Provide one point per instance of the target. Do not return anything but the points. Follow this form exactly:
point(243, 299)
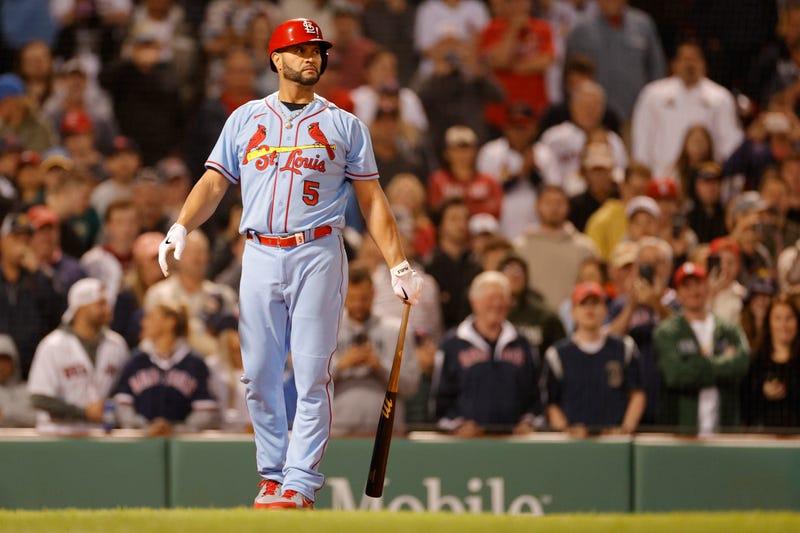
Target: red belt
point(290, 240)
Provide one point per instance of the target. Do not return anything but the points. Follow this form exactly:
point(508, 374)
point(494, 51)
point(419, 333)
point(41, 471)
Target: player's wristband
point(399, 270)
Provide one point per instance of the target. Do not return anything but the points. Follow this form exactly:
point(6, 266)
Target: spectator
point(451, 93)
point(382, 90)
point(760, 291)
point(702, 359)
point(122, 165)
point(453, 264)
point(774, 52)
point(148, 196)
point(30, 304)
point(237, 87)
point(460, 178)
point(594, 270)
point(36, 71)
point(23, 22)
point(623, 43)
point(19, 118)
point(95, 30)
point(164, 387)
point(16, 409)
point(492, 252)
point(363, 359)
point(569, 139)
point(723, 266)
point(74, 90)
point(697, 150)
point(608, 226)
point(672, 222)
point(771, 390)
point(746, 229)
point(447, 27)
point(29, 179)
point(667, 108)
point(45, 243)
point(76, 365)
point(521, 166)
point(189, 287)
point(518, 49)
point(387, 24)
point(706, 217)
point(553, 250)
point(147, 103)
point(577, 69)
point(226, 21)
point(643, 216)
point(644, 302)
point(394, 152)
point(779, 230)
point(406, 193)
point(110, 260)
point(488, 372)
point(529, 314)
point(594, 380)
point(176, 183)
point(78, 138)
point(771, 137)
point(789, 269)
point(257, 45)
point(597, 170)
point(144, 273)
point(350, 45)
point(69, 198)
point(789, 172)
point(166, 21)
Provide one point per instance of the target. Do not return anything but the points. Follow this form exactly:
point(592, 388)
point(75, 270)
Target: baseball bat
point(383, 435)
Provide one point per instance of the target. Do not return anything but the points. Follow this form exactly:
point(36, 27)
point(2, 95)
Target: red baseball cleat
point(291, 499)
point(270, 492)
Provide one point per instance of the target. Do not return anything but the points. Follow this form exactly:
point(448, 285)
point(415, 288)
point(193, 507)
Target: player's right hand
point(406, 283)
point(175, 239)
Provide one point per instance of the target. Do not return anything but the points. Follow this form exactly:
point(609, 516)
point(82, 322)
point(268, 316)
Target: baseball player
point(297, 158)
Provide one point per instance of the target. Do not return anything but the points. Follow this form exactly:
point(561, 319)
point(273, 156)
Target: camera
point(713, 263)
point(360, 338)
point(647, 272)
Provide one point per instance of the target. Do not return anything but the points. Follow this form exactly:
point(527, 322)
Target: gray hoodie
point(15, 403)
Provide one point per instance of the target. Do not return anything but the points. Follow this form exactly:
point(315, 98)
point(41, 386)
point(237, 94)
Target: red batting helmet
point(298, 31)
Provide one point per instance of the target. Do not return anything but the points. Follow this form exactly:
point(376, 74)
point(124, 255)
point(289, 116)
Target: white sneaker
point(269, 492)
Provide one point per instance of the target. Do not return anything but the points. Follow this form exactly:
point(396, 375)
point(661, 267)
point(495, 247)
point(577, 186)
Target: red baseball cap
point(585, 290)
point(689, 270)
point(662, 188)
point(41, 215)
point(76, 122)
point(724, 243)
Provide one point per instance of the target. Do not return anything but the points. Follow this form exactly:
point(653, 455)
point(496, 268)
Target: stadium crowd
point(603, 195)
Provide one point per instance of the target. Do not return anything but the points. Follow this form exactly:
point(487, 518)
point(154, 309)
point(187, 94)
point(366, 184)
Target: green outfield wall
point(538, 475)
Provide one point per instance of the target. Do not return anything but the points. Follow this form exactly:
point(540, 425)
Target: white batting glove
point(176, 238)
point(406, 283)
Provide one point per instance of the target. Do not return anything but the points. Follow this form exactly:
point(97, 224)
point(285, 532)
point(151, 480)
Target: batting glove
point(406, 283)
point(176, 238)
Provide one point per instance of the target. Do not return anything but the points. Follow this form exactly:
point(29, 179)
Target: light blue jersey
point(293, 179)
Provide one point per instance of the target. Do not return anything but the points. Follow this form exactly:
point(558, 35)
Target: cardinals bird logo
point(319, 136)
point(255, 141)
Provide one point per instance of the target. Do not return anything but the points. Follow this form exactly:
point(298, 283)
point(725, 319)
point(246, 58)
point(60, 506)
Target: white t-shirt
point(708, 398)
point(62, 369)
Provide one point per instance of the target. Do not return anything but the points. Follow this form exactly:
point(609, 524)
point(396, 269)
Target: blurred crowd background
point(649, 148)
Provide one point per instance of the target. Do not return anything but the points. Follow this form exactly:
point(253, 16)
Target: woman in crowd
point(771, 396)
point(697, 148)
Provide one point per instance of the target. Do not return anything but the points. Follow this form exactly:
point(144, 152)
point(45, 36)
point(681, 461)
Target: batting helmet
point(298, 31)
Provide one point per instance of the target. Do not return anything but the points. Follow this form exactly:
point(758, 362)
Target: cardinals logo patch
point(318, 135)
point(255, 142)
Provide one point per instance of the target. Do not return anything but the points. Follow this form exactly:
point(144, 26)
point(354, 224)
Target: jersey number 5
point(310, 192)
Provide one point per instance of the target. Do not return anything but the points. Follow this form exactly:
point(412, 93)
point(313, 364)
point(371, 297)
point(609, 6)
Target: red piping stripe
point(225, 172)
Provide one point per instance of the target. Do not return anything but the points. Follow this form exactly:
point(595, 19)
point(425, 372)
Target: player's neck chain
point(290, 118)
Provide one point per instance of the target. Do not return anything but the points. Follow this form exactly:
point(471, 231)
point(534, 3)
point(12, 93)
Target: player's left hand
point(176, 238)
point(406, 283)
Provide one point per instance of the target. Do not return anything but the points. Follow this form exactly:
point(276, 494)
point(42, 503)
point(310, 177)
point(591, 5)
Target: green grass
point(246, 520)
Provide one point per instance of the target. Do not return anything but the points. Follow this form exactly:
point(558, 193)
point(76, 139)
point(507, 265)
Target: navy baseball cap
point(11, 85)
